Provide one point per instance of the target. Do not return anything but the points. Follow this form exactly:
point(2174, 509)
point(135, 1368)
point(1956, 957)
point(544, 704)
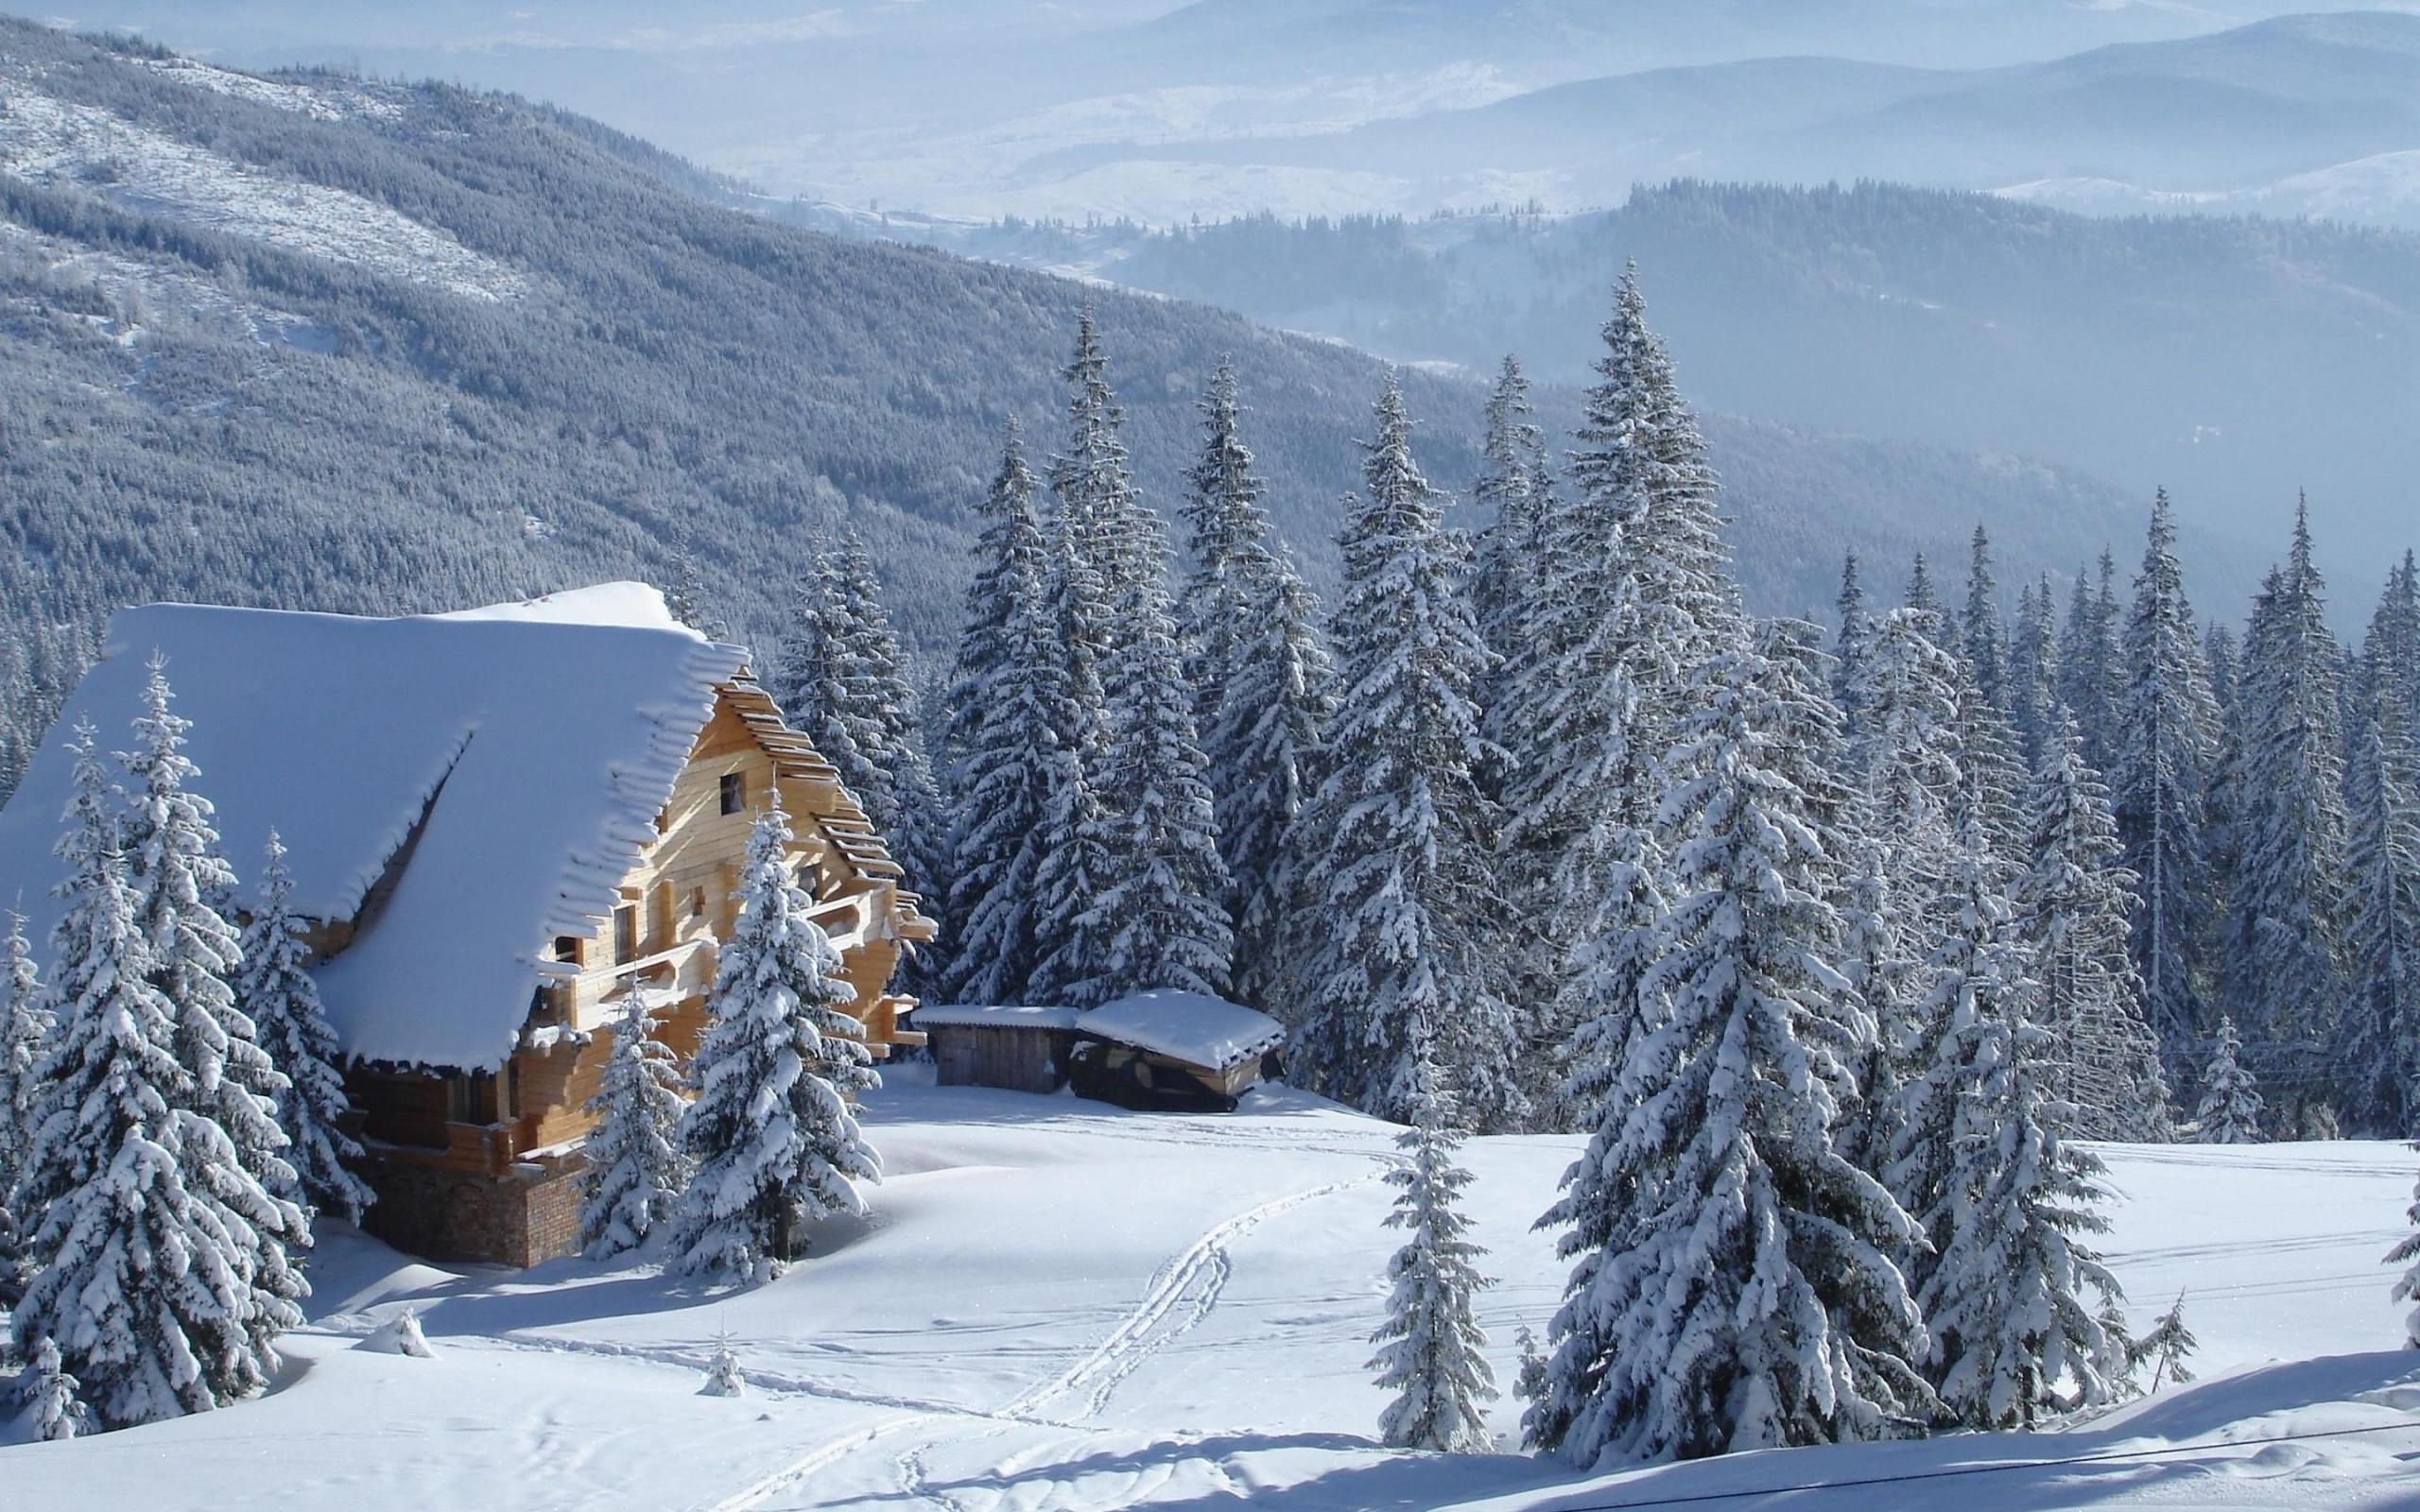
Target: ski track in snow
point(1181, 1293)
point(822, 1456)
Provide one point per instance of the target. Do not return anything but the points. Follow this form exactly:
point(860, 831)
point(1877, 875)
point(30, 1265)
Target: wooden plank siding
point(519, 1126)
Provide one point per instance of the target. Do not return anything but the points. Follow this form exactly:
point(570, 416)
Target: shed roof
point(995, 1016)
point(1187, 1026)
point(522, 752)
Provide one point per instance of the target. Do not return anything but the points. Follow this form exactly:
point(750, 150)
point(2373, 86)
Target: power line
point(1956, 1471)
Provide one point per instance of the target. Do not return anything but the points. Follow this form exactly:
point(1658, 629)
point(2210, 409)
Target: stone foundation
point(529, 1213)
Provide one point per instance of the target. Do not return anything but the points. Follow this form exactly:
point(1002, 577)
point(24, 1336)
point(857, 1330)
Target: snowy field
point(1061, 1307)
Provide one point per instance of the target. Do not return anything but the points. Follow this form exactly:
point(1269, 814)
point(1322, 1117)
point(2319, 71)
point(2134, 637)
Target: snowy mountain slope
point(1058, 1305)
point(227, 418)
point(52, 141)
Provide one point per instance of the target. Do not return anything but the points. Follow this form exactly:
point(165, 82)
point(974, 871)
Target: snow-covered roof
point(1187, 1026)
point(531, 747)
point(993, 1015)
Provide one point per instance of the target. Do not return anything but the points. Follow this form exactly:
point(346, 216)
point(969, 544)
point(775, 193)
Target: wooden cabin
point(499, 822)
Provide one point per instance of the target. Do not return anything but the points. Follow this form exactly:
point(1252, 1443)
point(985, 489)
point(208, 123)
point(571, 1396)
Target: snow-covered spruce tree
point(770, 1134)
point(25, 1022)
point(138, 1275)
point(2089, 662)
point(900, 798)
point(2284, 940)
point(811, 669)
point(2231, 1108)
point(2002, 1198)
point(1633, 589)
point(2378, 1038)
point(1263, 748)
point(1003, 745)
point(1512, 491)
point(1975, 974)
point(1432, 1353)
point(1855, 632)
point(2013, 1331)
point(235, 1153)
point(635, 1169)
point(2072, 901)
point(1261, 682)
point(1396, 932)
point(1923, 597)
point(1093, 536)
point(1731, 1290)
point(274, 990)
point(1905, 759)
point(2165, 748)
point(47, 1398)
point(685, 598)
point(2407, 1288)
point(2392, 646)
point(2167, 1346)
point(1161, 908)
point(2033, 670)
point(1983, 635)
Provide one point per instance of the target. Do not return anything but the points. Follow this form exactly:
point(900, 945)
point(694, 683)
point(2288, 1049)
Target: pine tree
point(1631, 588)
point(1007, 761)
point(2231, 1108)
point(1849, 643)
point(1094, 566)
point(635, 1170)
point(1432, 1353)
point(1263, 748)
point(1906, 757)
point(2003, 1292)
point(47, 1394)
point(236, 1152)
point(274, 990)
point(1515, 493)
point(1984, 637)
point(1731, 1290)
point(686, 599)
point(140, 1283)
point(1977, 986)
point(2166, 1346)
point(2089, 664)
point(900, 798)
point(2034, 671)
point(2285, 940)
point(2378, 1040)
point(2165, 751)
point(811, 670)
point(1924, 599)
point(1159, 918)
point(2407, 1287)
point(1261, 683)
point(25, 1022)
point(771, 1133)
point(2071, 908)
point(723, 1374)
point(1403, 827)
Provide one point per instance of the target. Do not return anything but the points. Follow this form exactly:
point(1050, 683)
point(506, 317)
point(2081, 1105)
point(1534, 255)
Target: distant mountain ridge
point(323, 342)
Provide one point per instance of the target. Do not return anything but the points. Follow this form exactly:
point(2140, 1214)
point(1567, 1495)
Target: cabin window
point(696, 902)
point(734, 792)
point(626, 934)
point(567, 948)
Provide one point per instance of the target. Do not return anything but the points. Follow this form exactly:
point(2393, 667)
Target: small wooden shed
point(1020, 1047)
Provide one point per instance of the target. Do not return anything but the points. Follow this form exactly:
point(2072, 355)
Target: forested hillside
point(2145, 351)
point(326, 343)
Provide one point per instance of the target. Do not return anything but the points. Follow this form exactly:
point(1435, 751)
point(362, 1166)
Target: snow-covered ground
point(49, 140)
point(1058, 1305)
